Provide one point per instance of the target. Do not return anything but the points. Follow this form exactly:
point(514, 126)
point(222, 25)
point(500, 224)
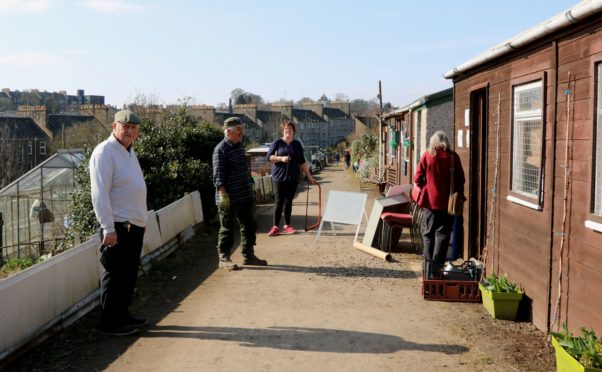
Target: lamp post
point(380, 129)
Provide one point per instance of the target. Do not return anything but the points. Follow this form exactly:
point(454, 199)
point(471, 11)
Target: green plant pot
point(501, 305)
point(565, 361)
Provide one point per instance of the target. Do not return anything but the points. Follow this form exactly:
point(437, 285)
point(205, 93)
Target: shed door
point(477, 199)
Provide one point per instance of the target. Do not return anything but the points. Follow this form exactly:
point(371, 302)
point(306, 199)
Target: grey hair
point(439, 141)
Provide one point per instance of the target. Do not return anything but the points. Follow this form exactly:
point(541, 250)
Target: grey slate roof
point(368, 120)
point(335, 113)
point(55, 121)
point(306, 115)
point(221, 116)
point(270, 116)
point(21, 127)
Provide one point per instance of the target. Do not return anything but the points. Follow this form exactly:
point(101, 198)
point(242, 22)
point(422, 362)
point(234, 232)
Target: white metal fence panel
point(34, 297)
point(197, 207)
point(152, 234)
point(175, 217)
point(42, 294)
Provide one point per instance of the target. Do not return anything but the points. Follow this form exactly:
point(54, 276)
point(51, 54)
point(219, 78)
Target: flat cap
point(232, 122)
point(126, 117)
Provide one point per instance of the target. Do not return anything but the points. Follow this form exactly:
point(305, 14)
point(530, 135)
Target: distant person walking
point(119, 201)
point(286, 155)
point(347, 158)
point(234, 196)
point(434, 179)
point(337, 158)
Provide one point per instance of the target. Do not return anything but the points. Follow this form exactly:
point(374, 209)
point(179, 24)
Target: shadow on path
point(304, 339)
point(342, 271)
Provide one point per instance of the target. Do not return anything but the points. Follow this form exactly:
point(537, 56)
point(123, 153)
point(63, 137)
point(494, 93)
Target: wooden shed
point(407, 131)
point(528, 127)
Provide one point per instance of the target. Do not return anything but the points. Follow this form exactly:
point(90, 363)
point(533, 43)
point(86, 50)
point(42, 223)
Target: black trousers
point(284, 193)
point(436, 232)
point(121, 264)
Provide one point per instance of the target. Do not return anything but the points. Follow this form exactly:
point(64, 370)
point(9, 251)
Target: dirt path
point(318, 307)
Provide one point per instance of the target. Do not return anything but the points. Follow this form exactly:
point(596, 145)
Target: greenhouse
point(34, 208)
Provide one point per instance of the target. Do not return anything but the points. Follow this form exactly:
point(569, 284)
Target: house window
point(29, 148)
point(527, 131)
point(597, 156)
point(42, 147)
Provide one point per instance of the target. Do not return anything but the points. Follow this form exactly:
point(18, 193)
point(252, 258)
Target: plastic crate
point(451, 290)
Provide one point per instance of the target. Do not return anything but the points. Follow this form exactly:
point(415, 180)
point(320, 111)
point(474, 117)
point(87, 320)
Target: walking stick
point(307, 228)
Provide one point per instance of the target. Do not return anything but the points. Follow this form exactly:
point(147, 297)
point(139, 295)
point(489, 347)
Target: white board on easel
point(344, 207)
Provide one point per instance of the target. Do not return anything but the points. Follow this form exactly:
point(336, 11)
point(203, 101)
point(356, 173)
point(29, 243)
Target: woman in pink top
point(433, 177)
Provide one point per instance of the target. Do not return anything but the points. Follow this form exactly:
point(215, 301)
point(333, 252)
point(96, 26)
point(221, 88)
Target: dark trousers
point(121, 263)
point(284, 193)
point(244, 213)
point(436, 232)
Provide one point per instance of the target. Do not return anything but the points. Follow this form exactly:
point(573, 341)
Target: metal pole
point(18, 224)
point(42, 208)
point(380, 129)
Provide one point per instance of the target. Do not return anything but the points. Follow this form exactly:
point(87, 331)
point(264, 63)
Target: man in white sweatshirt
point(119, 200)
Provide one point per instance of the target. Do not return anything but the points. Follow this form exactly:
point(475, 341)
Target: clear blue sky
point(277, 49)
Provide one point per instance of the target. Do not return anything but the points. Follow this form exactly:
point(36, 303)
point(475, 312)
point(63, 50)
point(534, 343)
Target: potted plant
point(574, 353)
point(500, 296)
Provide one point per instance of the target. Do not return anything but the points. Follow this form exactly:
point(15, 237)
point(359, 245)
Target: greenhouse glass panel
point(35, 206)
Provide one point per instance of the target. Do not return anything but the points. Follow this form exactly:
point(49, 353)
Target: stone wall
point(440, 117)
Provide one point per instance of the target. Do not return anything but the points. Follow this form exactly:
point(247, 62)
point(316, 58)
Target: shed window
point(527, 134)
point(597, 156)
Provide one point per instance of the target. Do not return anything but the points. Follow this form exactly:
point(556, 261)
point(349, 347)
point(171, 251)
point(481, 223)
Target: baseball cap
point(232, 122)
point(126, 117)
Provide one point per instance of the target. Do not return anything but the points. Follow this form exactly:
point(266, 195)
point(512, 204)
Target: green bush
point(176, 158)
point(494, 283)
point(13, 265)
point(587, 348)
point(82, 221)
point(365, 148)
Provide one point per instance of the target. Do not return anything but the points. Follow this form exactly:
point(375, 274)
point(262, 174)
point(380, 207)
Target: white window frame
point(518, 117)
point(29, 148)
point(596, 197)
point(42, 147)
point(21, 155)
point(594, 215)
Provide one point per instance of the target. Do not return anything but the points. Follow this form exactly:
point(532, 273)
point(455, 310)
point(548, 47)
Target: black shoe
point(254, 261)
point(122, 330)
point(137, 322)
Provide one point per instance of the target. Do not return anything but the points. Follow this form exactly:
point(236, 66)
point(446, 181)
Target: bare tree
point(9, 147)
point(303, 100)
point(86, 134)
point(240, 96)
point(341, 97)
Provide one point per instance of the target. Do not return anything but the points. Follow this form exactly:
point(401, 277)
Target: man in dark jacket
point(234, 196)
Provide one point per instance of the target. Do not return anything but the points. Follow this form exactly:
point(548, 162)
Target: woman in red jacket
point(433, 177)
